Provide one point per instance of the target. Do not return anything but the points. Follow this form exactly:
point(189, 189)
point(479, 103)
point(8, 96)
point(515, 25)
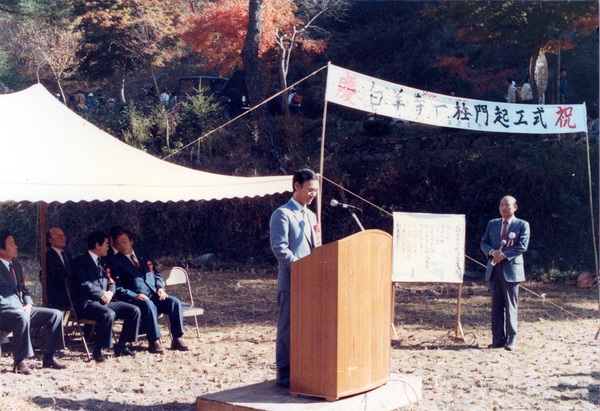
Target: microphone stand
point(356, 218)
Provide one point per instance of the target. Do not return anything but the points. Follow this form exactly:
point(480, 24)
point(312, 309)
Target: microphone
point(502, 244)
point(335, 203)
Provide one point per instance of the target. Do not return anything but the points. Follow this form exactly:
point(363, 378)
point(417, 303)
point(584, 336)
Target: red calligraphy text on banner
point(346, 88)
point(564, 117)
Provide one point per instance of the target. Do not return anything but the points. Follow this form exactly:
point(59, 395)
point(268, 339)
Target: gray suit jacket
point(13, 296)
point(289, 241)
point(512, 267)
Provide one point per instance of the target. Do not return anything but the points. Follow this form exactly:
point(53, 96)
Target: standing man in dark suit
point(17, 313)
point(293, 231)
point(140, 283)
point(58, 267)
point(504, 242)
point(94, 289)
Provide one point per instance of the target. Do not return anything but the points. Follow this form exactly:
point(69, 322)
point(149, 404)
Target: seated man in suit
point(58, 267)
point(112, 250)
point(94, 289)
point(17, 313)
point(140, 283)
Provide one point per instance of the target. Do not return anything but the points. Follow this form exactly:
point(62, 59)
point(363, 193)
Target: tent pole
point(597, 273)
point(42, 207)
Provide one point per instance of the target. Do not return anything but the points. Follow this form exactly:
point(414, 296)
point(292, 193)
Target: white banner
point(372, 95)
point(428, 248)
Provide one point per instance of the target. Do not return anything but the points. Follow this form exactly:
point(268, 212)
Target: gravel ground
point(556, 366)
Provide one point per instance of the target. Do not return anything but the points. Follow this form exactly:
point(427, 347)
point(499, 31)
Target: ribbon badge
point(511, 239)
point(110, 279)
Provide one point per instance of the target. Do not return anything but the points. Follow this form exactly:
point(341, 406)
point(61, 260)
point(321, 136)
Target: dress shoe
point(511, 341)
point(99, 357)
point(52, 362)
point(178, 345)
point(512, 347)
point(156, 347)
point(123, 351)
point(21, 367)
point(494, 345)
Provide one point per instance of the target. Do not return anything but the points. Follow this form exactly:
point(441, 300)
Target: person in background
point(275, 105)
point(80, 101)
point(592, 118)
point(592, 124)
point(72, 103)
point(511, 94)
point(526, 92)
point(563, 86)
point(164, 98)
point(294, 101)
point(91, 103)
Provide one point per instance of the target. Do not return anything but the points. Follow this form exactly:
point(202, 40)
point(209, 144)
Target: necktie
point(12, 273)
point(504, 229)
point(134, 261)
point(64, 257)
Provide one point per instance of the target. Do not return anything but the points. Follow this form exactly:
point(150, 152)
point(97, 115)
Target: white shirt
point(6, 263)
point(94, 256)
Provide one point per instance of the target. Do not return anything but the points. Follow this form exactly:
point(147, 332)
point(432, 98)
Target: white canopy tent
point(51, 154)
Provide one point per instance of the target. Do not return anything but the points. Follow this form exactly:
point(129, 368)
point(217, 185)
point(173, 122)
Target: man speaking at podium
point(293, 229)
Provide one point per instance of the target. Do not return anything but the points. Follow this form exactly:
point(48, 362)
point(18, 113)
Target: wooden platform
point(400, 391)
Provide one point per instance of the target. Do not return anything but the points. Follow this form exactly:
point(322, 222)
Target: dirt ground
point(556, 366)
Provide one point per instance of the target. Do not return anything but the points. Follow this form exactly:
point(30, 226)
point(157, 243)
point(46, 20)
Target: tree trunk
point(123, 87)
point(62, 93)
point(255, 88)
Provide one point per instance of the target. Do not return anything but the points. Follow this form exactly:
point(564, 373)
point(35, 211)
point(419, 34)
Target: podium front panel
point(340, 317)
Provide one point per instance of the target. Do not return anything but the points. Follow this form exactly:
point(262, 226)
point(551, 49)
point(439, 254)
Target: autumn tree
point(41, 38)
point(10, 6)
point(218, 31)
point(47, 45)
point(126, 35)
point(539, 27)
point(296, 33)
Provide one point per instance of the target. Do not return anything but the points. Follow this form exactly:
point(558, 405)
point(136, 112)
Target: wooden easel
point(458, 331)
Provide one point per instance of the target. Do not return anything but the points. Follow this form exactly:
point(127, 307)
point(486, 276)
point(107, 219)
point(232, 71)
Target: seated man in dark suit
point(94, 289)
point(140, 283)
point(58, 267)
point(17, 313)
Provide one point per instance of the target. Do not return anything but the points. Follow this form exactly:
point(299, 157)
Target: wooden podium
point(341, 304)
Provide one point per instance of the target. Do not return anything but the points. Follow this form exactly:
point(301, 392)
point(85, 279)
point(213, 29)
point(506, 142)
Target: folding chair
point(178, 275)
point(4, 335)
point(73, 318)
